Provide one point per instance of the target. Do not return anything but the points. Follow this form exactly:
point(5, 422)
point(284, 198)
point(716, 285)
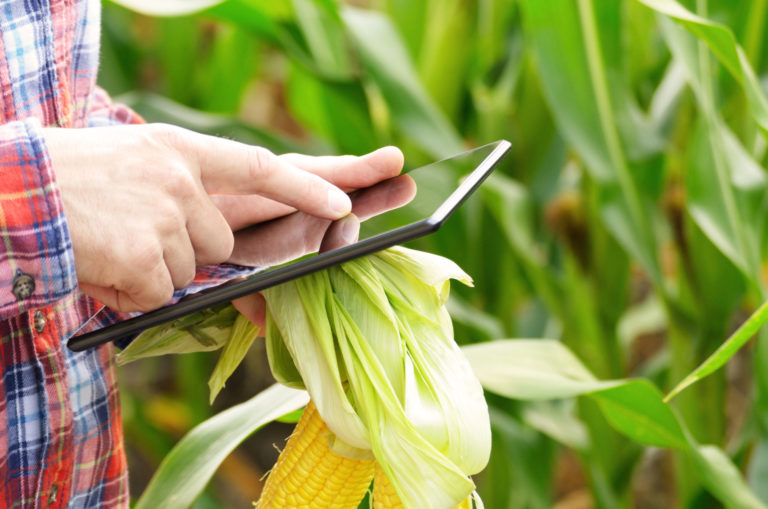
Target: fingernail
point(339, 202)
point(350, 228)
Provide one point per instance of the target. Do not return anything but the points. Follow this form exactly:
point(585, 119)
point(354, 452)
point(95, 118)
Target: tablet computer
point(394, 211)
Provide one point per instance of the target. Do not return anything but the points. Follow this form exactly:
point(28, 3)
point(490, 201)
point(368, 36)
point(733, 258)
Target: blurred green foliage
point(627, 222)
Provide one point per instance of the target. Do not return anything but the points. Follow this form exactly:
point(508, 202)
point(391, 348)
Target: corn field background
point(623, 237)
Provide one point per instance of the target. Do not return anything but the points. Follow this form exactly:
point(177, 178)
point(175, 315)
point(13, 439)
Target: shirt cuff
point(36, 259)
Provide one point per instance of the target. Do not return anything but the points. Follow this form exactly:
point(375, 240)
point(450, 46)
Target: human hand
point(270, 233)
point(324, 235)
point(138, 202)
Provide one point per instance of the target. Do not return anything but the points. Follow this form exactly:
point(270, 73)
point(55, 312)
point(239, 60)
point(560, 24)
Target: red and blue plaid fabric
point(60, 430)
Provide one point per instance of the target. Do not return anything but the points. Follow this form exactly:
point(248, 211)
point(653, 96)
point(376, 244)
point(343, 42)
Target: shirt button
point(23, 285)
point(39, 319)
point(53, 494)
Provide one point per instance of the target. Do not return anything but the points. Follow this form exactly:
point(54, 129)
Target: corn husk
point(373, 344)
point(240, 340)
point(221, 327)
point(203, 331)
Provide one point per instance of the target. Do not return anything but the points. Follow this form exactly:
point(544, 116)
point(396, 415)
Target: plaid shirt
point(60, 429)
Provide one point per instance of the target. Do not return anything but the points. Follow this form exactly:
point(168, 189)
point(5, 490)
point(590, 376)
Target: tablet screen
point(409, 198)
point(413, 196)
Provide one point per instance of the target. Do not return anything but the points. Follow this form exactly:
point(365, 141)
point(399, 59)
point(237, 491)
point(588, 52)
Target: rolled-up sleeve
point(36, 259)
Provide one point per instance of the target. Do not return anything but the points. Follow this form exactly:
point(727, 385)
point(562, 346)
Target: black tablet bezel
point(263, 280)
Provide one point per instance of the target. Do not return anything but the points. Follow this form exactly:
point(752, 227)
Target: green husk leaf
point(244, 332)
point(398, 385)
point(298, 311)
point(199, 332)
point(421, 475)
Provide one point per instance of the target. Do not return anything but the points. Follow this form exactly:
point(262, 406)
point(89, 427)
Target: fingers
point(279, 240)
point(242, 211)
point(210, 236)
point(254, 307)
point(115, 299)
point(351, 172)
point(384, 196)
point(235, 168)
point(179, 258)
point(290, 237)
point(141, 285)
point(341, 233)
point(346, 172)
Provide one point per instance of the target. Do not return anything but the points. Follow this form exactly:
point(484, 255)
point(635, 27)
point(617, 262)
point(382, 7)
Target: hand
point(346, 172)
point(299, 233)
point(138, 202)
point(286, 238)
point(342, 233)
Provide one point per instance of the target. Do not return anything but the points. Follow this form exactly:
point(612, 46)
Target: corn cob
point(384, 496)
point(308, 474)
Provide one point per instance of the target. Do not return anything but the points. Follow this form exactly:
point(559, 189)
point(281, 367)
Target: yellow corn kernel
point(384, 496)
point(308, 474)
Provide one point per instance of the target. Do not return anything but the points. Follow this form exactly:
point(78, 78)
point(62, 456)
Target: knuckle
point(188, 276)
point(170, 134)
point(157, 292)
point(183, 271)
point(164, 293)
point(168, 217)
point(145, 258)
point(158, 297)
point(218, 250)
point(312, 188)
point(178, 181)
point(223, 248)
point(261, 162)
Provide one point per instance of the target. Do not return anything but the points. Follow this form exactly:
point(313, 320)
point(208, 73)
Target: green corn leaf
point(580, 74)
point(168, 7)
point(723, 479)
point(635, 408)
point(445, 56)
point(321, 27)
point(758, 470)
point(530, 474)
point(727, 350)
point(557, 420)
point(722, 42)
point(186, 470)
point(725, 186)
point(561, 60)
point(530, 369)
point(228, 70)
point(385, 60)
point(335, 111)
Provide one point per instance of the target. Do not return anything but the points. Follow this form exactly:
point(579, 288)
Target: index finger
point(230, 167)
point(351, 172)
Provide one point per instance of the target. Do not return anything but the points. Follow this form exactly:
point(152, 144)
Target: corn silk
point(372, 343)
